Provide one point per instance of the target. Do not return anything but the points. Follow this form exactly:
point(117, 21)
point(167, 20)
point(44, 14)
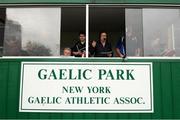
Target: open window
point(72, 23)
point(108, 19)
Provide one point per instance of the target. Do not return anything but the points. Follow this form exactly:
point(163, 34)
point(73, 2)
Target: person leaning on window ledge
point(78, 50)
point(120, 48)
point(101, 48)
point(67, 51)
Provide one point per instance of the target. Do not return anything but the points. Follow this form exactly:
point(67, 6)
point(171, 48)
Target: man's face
point(82, 37)
point(103, 36)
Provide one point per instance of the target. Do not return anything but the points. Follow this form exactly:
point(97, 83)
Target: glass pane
point(107, 27)
point(32, 32)
point(161, 29)
point(73, 22)
point(2, 26)
point(134, 35)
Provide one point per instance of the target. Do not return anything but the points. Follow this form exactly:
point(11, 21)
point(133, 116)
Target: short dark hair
point(82, 32)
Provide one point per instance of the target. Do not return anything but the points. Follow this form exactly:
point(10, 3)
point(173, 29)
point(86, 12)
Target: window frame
point(87, 6)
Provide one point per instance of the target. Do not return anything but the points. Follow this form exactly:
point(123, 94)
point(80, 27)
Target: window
point(2, 26)
point(32, 32)
point(108, 19)
point(160, 32)
point(134, 33)
point(73, 22)
point(154, 32)
point(47, 31)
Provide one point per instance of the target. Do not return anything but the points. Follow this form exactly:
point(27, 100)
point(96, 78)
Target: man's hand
point(109, 55)
point(78, 53)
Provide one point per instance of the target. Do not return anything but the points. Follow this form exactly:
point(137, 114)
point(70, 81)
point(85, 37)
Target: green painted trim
point(140, 1)
point(44, 1)
point(3, 88)
point(90, 1)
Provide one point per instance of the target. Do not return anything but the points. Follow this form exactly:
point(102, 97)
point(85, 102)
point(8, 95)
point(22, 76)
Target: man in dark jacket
point(78, 50)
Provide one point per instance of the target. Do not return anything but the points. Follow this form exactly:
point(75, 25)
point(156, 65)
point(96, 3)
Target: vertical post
point(60, 22)
point(173, 39)
point(87, 30)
